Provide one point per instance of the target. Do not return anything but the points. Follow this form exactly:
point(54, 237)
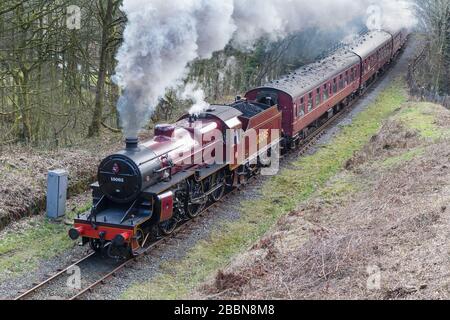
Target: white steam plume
point(163, 36)
point(160, 39)
point(397, 14)
point(193, 92)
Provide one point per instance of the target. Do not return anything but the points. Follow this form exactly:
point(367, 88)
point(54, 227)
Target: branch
point(111, 128)
point(14, 7)
point(4, 143)
point(6, 114)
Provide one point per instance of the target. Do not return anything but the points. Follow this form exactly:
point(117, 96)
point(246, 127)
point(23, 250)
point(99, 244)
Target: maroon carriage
point(312, 92)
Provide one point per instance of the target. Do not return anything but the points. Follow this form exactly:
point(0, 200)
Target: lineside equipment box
point(57, 183)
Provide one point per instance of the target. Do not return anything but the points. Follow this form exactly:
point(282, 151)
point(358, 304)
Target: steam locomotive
point(149, 188)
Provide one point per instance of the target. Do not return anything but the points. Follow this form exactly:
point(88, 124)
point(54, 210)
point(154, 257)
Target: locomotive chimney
point(192, 118)
point(132, 143)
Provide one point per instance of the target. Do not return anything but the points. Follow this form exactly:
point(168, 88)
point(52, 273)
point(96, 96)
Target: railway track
point(111, 267)
point(59, 280)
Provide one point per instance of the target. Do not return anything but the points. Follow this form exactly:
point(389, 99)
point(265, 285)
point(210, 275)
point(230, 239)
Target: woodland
point(56, 73)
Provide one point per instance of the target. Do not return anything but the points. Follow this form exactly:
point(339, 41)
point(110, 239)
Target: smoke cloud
point(397, 14)
point(193, 92)
point(163, 36)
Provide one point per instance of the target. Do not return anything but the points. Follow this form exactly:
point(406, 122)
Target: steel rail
point(124, 264)
point(55, 276)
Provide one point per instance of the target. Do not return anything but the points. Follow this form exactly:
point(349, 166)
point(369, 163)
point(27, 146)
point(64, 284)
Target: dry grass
point(23, 172)
point(398, 223)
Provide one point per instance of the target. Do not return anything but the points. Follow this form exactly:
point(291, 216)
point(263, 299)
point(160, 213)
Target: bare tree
point(110, 38)
point(54, 81)
point(434, 16)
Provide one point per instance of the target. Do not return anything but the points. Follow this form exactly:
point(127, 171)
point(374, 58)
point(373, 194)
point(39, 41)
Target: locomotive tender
point(149, 188)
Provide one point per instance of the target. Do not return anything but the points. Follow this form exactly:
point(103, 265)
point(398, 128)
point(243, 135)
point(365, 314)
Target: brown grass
point(23, 172)
point(394, 136)
point(397, 222)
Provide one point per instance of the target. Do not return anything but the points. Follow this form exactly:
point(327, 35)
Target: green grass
point(423, 118)
point(339, 188)
point(22, 248)
point(393, 162)
point(280, 195)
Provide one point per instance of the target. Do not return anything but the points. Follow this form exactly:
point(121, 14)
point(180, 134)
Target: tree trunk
point(94, 129)
point(24, 104)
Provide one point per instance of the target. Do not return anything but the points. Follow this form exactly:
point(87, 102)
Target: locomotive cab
point(269, 98)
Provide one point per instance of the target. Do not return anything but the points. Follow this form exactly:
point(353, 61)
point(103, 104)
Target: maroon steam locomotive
point(149, 188)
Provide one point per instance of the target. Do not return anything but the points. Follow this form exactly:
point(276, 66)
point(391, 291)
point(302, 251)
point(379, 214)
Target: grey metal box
point(57, 183)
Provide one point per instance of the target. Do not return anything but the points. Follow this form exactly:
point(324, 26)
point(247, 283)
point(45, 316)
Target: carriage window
point(318, 97)
point(301, 108)
point(310, 102)
point(334, 85)
point(352, 75)
point(326, 93)
point(341, 82)
point(346, 78)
